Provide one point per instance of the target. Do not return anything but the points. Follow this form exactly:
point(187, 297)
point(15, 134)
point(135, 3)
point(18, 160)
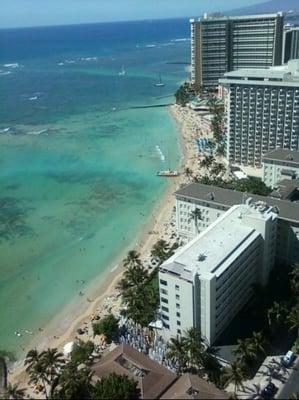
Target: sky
point(21, 13)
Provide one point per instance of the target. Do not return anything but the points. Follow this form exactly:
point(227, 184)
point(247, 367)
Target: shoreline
point(63, 326)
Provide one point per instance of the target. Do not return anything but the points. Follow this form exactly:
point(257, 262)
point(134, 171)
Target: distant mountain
point(268, 6)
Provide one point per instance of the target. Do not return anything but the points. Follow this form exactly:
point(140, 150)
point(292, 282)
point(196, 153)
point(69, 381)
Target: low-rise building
point(280, 164)
point(207, 281)
point(154, 380)
point(190, 386)
point(211, 202)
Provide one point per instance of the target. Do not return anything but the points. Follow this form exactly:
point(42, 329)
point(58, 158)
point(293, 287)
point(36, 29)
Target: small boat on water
point(160, 83)
point(168, 173)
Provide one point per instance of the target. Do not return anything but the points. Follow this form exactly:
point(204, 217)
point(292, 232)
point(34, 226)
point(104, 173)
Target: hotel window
point(179, 331)
point(178, 314)
point(177, 297)
point(177, 305)
point(165, 309)
point(163, 291)
point(162, 282)
point(165, 317)
point(178, 323)
point(177, 287)
point(166, 326)
point(164, 300)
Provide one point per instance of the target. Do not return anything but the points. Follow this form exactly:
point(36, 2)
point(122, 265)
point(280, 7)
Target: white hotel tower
point(262, 112)
point(206, 282)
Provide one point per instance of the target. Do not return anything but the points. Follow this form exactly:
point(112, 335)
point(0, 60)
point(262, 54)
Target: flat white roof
point(277, 75)
point(214, 250)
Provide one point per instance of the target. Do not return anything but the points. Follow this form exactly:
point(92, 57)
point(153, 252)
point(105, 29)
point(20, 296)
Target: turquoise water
point(77, 163)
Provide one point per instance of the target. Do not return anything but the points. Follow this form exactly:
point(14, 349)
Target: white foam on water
point(181, 40)
point(33, 98)
point(5, 72)
point(12, 65)
point(37, 132)
point(160, 153)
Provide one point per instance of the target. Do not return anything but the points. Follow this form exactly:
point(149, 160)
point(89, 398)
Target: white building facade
point(261, 112)
point(207, 282)
point(278, 165)
point(212, 202)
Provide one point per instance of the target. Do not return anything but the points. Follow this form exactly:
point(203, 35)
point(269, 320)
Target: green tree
point(277, 314)
point(234, 374)
point(38, 375)
point(176, 352)
point(140, 294)
point(293, 319)
point(74, 384)
point(107, 326)
point(14, 392)
point(31, 359)
point(52, 361)
point(82, 352)
point(195, 215)
point(194, 345)
point(163, 250)
point(116, 387)
point(182, 95)
point(207, 161)
point(245, 351)
point(132, 259)
point(134, 276)
point(188, 172)
point(218, 168)
point(252, 185)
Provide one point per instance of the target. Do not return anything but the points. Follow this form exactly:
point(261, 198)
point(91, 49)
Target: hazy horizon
point(33, 13)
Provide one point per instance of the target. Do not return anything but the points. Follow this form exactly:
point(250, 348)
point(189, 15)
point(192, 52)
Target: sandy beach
point(160, 225)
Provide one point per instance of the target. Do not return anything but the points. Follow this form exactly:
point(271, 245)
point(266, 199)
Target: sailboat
point(160, 83)
point(122, 72)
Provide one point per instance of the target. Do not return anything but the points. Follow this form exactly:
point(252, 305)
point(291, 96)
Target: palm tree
point(132, 259)
point(293, 318)
point(207, 162)
point(162, 250)
point(38, 374)
point(195, 348)
point(258, 342)
point(74, 384)
point(52, 361)
point(13, 392)
point(176, 351)
point(234, 374)
point(276, 314)
point(31, 359)
point(195, 215)
point(134, 276)
point(245, 350)
point(188, 172)
point(217, 169)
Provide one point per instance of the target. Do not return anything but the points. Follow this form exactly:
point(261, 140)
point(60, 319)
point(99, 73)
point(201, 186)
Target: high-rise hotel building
point(220, 44)
point(290, 49)
point(207, 281)
point(262, 112)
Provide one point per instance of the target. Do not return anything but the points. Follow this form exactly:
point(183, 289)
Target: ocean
point(78, 160)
